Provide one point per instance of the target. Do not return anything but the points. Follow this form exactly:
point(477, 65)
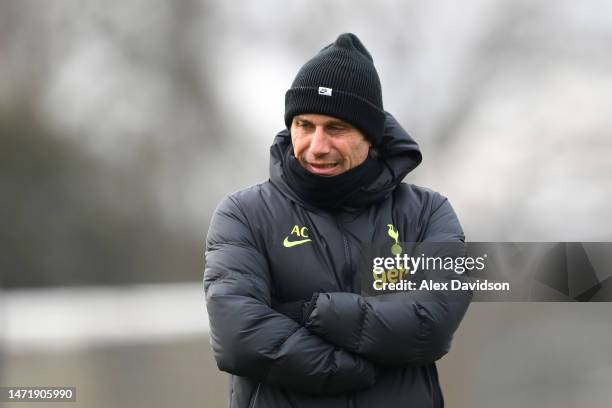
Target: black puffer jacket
point(353, 350)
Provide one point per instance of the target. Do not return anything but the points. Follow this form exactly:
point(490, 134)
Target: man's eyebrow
point(331, 122)
point(338, 123)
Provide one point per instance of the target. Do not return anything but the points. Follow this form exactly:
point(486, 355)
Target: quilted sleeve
point(251, 339)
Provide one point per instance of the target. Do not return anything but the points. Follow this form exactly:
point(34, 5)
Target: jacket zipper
point(346, 270)
point(348, 277)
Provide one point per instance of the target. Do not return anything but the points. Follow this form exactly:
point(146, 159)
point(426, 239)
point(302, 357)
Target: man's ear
point(373, 152)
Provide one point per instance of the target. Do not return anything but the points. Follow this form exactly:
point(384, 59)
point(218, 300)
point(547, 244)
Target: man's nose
point(319, 144)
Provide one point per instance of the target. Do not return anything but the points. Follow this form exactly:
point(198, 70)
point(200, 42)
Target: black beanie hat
point(340, 81)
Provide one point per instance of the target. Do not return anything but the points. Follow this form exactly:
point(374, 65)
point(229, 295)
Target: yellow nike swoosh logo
point(289, 244)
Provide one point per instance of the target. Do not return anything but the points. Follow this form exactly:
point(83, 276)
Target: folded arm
point(251, 339)
point(404, 328)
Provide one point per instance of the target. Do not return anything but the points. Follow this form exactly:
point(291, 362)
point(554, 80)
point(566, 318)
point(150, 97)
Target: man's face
point(327, 146)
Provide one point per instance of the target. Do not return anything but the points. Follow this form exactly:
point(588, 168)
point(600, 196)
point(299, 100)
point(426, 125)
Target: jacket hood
point(398, 153)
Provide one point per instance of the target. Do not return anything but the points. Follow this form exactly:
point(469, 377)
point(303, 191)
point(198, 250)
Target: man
point(289, 317)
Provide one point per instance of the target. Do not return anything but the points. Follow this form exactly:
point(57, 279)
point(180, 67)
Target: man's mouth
point(323, 169)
